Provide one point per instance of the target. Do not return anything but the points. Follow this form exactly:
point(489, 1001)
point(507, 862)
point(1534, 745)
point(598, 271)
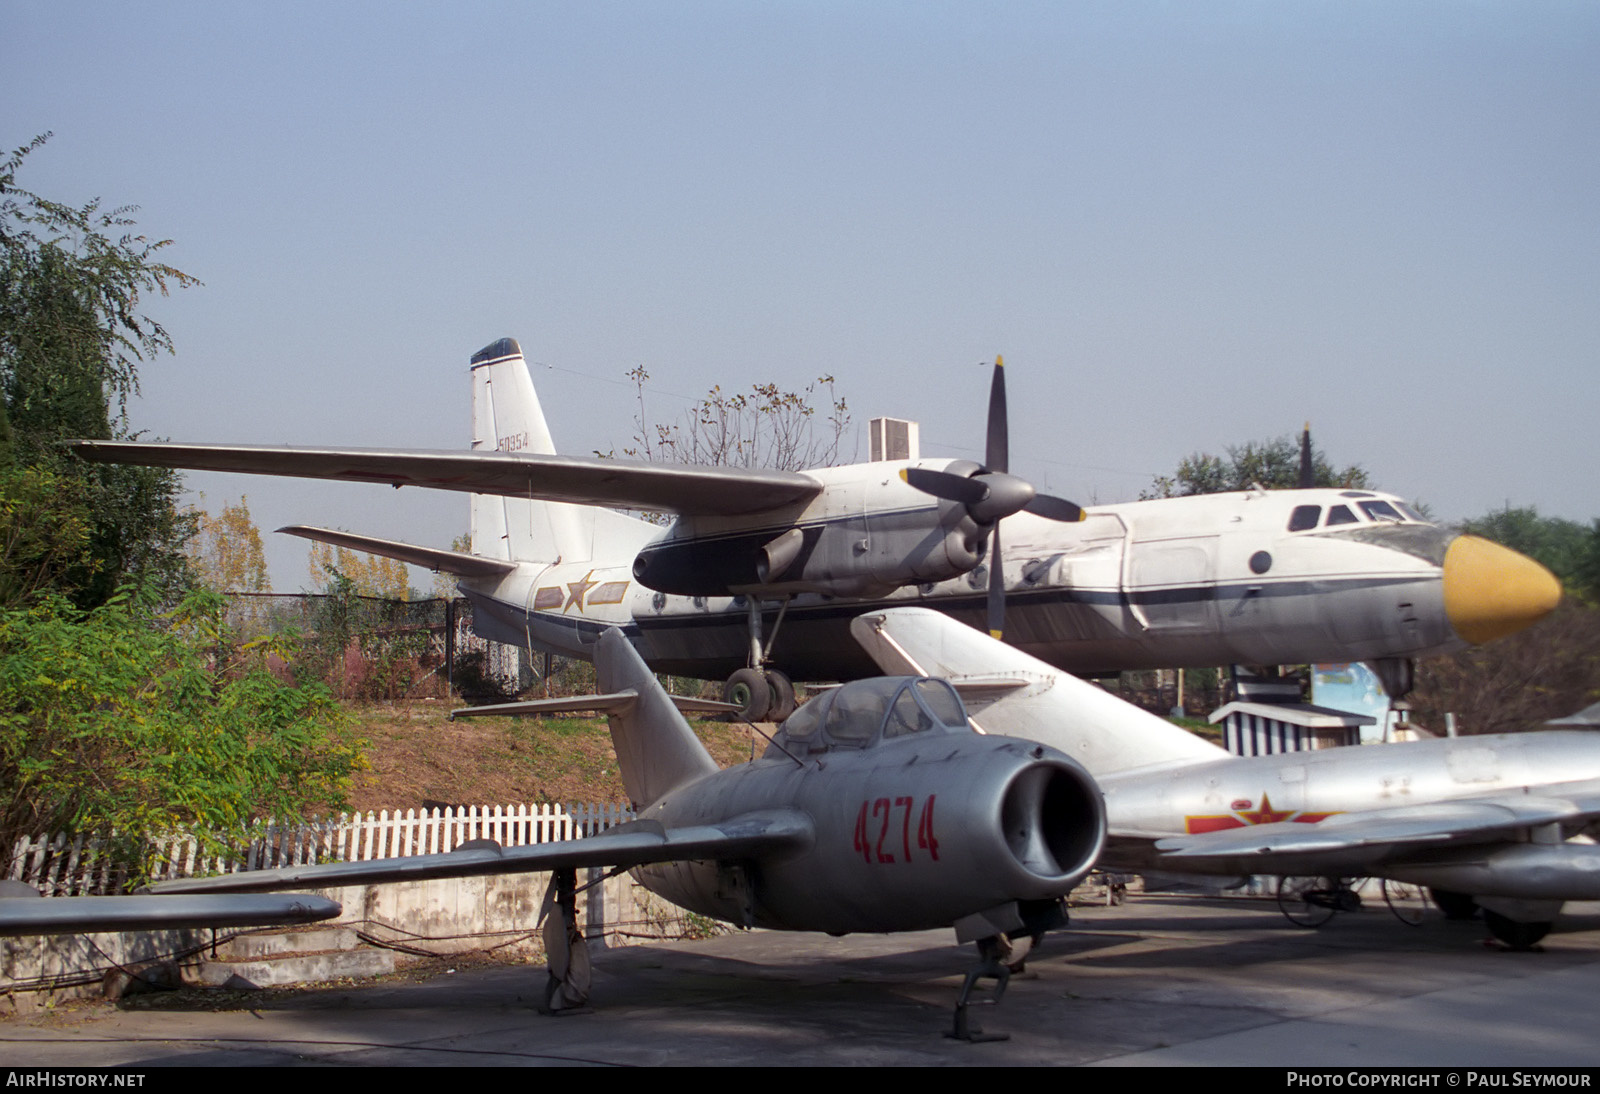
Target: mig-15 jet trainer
point(875, 808)
point(761, 573)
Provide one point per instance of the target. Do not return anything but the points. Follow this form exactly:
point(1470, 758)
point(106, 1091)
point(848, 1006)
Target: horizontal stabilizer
point(750, 835)
point(602, 704)
point(626, 484)
point(445, 562)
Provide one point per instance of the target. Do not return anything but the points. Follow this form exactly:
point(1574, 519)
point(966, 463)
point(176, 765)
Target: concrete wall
point(450, 916)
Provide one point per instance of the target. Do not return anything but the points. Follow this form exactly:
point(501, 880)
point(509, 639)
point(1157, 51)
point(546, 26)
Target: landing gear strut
point(762, 694)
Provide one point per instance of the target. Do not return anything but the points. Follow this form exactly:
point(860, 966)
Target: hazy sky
point(1185, 225)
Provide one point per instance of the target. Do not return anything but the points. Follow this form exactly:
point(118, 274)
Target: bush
point(133, 721)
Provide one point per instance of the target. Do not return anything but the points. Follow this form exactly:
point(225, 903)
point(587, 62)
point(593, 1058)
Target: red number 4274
point(875, 831)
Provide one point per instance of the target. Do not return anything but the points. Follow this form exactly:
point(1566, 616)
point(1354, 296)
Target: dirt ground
point(418, 756)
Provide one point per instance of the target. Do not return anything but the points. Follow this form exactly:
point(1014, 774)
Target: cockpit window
point(858, 710)
point(852, 715)
point(942, 701)
point(1341, 514)
point(906, 716)
point(1304, 516)
point(803, 724)
point(1381, 511)
point(1410, 513)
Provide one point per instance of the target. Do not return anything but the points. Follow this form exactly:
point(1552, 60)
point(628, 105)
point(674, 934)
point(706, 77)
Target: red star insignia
point(1266, 814)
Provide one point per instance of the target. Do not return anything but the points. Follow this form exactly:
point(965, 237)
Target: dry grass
point(417, 755)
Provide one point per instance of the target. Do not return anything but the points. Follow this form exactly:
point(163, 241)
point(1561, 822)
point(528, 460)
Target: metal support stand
point(566, 990)
point(993, 953)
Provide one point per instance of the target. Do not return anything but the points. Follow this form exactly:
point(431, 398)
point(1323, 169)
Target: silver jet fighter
point(759, 577)
point(876, 808)
point(1490, 817)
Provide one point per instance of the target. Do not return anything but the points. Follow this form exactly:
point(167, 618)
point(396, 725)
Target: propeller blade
point(942, 484)
point(991, 493)
point(997, 450)
point(1308, 476)
point(1053, 508)
point(997, 588)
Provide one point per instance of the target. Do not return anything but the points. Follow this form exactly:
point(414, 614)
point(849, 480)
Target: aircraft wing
point(626, 484)
point(90, 914)
point(686, 704)
point(764, 832)
point(1482, 818)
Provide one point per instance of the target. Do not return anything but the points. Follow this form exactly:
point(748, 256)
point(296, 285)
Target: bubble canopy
point(865, 713)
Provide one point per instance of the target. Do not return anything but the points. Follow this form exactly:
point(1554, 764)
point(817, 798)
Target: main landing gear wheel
point(1311, 901)
point(1454, 905)
point(782, 696)
point(749, 691)
point(1408, 902)
point(1516, 936)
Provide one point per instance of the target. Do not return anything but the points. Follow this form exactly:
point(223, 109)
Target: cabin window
point(1341, 514)
point(1304, 516)
point(1381, 511)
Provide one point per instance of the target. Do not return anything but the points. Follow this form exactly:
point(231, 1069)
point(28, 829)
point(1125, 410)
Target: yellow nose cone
point(1491, 591)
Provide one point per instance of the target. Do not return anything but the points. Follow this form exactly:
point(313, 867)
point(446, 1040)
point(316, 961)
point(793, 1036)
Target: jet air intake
point(1053, 823)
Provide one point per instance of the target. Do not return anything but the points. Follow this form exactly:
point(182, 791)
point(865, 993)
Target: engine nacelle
point(867, 555)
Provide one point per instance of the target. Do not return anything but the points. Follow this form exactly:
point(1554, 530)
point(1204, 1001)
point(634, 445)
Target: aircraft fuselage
point(911, 834)
point(1310, 787)
point(1178, 582)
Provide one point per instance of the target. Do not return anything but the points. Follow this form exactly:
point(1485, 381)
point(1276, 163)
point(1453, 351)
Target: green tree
point(45, 530)
point(131, 719)
point(1274, 464)
point(72, 337)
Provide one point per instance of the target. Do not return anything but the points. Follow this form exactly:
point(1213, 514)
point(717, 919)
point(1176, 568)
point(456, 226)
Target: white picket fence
point(63, 865)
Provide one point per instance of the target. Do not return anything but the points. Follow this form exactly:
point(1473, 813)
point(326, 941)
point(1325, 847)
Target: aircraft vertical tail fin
point(656, 749)
point(1034, 700)
point(507, 417)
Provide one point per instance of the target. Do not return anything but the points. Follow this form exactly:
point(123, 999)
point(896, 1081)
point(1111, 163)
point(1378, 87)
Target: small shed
point(1262, 729)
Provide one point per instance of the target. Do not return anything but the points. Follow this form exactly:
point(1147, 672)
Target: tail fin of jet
point(1027, 698)
point(506, 417)
point(656, 749)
